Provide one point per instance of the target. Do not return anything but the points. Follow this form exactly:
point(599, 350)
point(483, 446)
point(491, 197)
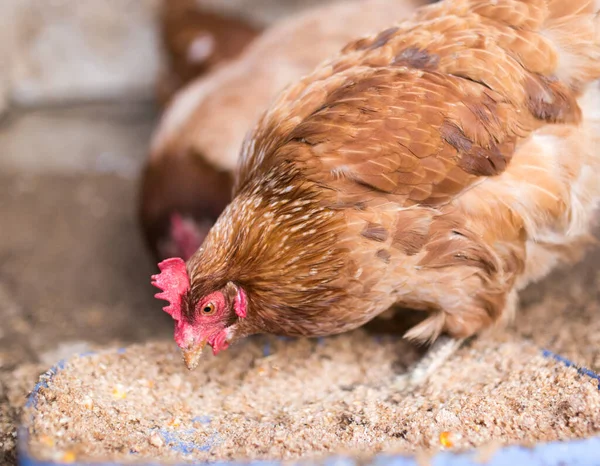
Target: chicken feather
point(188, 176)
point(468, 76)
point(442, 164)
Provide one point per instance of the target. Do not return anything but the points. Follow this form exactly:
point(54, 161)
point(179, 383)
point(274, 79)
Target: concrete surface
point(64, 51)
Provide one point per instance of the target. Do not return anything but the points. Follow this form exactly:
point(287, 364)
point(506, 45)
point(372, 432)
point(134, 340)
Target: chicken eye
point(208, 309)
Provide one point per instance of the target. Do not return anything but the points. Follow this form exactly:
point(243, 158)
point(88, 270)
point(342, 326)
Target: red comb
point(174, 282)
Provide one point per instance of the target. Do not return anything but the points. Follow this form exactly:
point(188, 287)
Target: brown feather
point(209, 118)
point(445, 180)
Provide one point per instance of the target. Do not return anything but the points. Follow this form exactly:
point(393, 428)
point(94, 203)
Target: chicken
point(188, 178)
point(196, 41)
point(442, 165)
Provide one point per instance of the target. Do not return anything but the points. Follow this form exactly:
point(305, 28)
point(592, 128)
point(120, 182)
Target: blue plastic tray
point(585, 452)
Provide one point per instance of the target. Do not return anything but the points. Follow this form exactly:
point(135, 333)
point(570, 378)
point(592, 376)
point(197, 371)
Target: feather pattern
point(441, 164)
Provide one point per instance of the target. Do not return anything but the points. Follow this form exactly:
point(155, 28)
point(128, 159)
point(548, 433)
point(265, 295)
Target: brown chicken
point(196, 41)
point(188, 179)
point(442, 164)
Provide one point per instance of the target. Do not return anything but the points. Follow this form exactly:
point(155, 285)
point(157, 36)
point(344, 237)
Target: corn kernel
point(88, 402)
point(174, 422)
point(68, 457)
point(446, 439)
point(47, 440)
point(119, 392)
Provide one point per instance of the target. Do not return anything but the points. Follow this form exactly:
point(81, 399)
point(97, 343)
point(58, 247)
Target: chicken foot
point(437, 354)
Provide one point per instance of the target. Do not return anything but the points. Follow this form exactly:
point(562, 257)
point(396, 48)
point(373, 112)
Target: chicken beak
point(191, 354)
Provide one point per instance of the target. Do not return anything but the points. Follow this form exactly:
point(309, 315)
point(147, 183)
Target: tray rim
point(576, 452)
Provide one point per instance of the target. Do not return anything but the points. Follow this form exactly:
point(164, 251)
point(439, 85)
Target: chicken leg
point(437, 354)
